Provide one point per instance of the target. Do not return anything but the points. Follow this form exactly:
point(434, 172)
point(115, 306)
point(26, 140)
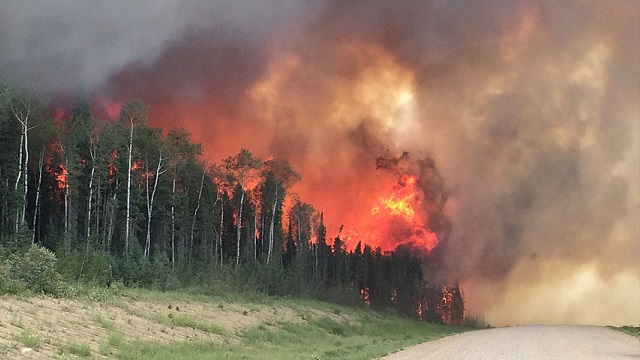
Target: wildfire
point(61, 178)
point(402, 201)
point(136, 165)
point(398, 217)
point(366, 296)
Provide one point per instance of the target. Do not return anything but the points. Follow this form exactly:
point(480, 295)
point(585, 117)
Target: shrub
point(36, 269)
point(161, 274)
point(8, 284)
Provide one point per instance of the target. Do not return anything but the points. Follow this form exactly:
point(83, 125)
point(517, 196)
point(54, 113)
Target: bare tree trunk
point(20, 168)
point(67, 205)
point(128, 222)
point(214, 248)
point(195, 214)
point(299, 234)
point(26, 171)
point(221, 231)
point(255, 232)
point(111, 221)
point(150, 199)
point(19, 163)
point(90, 205)
point(99, 205)
point(239, 227)
point(271, 227)
point(173, 221)
point(36, 210)
point(262, 229)
point(21, 112)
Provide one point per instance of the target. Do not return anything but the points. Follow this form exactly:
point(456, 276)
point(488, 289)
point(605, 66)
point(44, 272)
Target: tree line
point(119, 200)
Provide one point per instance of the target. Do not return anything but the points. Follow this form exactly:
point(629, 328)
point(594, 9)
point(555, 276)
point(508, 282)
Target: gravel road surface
point(537, 342)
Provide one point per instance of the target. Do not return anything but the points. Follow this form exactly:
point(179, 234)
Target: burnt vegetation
point(116, 200)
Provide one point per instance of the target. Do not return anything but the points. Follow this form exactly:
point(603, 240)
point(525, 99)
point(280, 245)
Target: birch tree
point(180, 151)
point(133, 114)
point(159, 170)
point(244, 175)
point(23, 106)
point(278, 178)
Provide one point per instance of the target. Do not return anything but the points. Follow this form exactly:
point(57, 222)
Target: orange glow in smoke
point(366, 92)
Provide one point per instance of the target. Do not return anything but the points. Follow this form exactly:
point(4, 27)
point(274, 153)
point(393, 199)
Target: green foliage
point(182, 320)
point(91, 266)
point(29, 339)
point(104, 323)
point(134, 271)
point(34, 270)
point(94, 293)
point(75, 348)
point(162, 278)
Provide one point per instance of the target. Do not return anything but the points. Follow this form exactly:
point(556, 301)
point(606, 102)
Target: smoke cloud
point(529, 109)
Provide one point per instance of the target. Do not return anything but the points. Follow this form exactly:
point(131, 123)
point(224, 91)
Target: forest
point(118, 201)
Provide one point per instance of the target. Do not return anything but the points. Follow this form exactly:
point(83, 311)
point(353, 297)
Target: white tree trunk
point(195, 214)
point(255, 232)
point(19, 163)
point(173, 220)
point(150, 199)
point(67, 199)
point(21, 112)
point(239, 227)
point(221, 231)
point(26, 172)
point(20, 167)
point(271, 227)
point(36, 210)
point(92, 151)
point(128, 221)
point(215, 256)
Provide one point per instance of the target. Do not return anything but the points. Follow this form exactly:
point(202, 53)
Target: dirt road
point(529, 342)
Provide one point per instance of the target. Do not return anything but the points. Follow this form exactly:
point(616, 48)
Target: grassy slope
point(141, 324)
point(323, 331)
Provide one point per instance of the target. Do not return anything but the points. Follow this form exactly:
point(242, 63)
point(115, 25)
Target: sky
point(529, 109)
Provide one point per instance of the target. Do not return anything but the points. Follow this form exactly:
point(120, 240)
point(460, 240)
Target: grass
point(104, 323)
point(631, 330)
point(181, 320)
point(116, 340)
point(374, 335)
point(17, 322)
point(342, 333)
point(74, 348)
point(315, 330)
point(29, 339)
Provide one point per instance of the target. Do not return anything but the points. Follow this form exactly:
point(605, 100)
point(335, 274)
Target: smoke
point(529, 109)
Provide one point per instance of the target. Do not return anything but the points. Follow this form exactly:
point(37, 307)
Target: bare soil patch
point(40, 327)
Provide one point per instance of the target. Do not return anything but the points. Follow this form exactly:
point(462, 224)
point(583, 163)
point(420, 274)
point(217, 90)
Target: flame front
point(398, 218)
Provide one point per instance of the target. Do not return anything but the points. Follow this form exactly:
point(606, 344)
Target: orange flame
point(366, 296)
point(61, 178)
point(397, 218)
